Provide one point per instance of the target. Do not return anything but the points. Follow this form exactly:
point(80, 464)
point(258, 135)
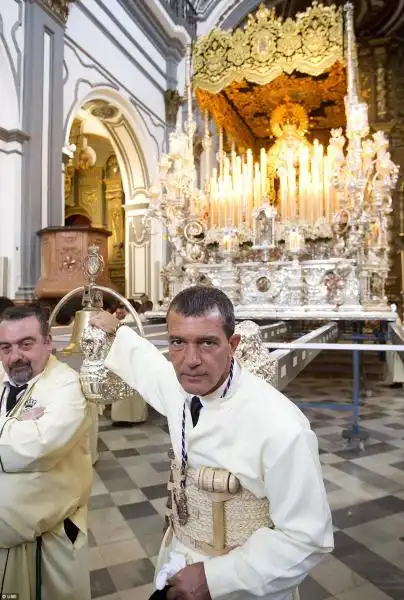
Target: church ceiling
point(372, 17)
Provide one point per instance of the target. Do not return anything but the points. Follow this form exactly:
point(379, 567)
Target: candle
point(320, 206)
point(263, 168)
point(220, 203)
point(331, 168)
point(327, 188)
point(291, 184)
point(304, 178)
point(250, 181)
point(283, 192)
point(314, 183)
point(207, 146)
point(257, 185)
point(245, 190)
point(240, 187)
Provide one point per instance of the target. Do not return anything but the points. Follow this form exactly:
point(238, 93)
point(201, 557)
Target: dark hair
point(200, 300)
point(148, 305)
point(5, 303)
point(15, 313)
point(137, 306)
point(123, 306)
point(67, 312)
point(109, 304)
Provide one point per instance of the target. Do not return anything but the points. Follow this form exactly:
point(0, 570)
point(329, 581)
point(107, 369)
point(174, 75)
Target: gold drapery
point(268, 47)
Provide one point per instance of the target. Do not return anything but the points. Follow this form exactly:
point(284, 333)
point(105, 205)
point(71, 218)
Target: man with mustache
point(45, 465)
point(267, 522)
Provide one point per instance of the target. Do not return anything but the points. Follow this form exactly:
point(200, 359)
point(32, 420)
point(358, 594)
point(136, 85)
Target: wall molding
point(13, 135)
point(142, 15)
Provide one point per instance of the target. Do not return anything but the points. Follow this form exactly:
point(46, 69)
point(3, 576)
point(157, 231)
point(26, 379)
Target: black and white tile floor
point(365, 490)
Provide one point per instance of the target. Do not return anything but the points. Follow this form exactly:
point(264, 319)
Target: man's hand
point(189, 584)
point(31, 414)
point(105, 321)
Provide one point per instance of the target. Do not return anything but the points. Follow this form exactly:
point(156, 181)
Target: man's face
point(121, 313)
point(200, 351)
point(24, 351)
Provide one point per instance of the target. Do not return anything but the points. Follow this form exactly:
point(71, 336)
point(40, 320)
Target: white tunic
point(45, 478)
point(264, 439)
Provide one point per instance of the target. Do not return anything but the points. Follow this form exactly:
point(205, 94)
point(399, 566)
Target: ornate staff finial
point(93, 265)
point(352, 57)
point(356, 111)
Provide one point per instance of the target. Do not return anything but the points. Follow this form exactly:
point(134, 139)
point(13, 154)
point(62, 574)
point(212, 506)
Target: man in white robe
point(45, 465)
point(246, 428)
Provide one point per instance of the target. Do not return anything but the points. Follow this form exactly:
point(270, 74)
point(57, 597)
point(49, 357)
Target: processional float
point(295, 226)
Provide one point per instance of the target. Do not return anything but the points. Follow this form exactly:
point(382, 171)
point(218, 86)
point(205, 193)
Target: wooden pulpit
point(62, 252)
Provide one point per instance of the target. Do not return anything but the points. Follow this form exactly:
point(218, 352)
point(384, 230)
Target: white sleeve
point(38, 444)
point(142, 366)
point(278, 560)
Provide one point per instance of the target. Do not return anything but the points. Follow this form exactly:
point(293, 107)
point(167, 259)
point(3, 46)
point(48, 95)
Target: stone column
point(42, 110)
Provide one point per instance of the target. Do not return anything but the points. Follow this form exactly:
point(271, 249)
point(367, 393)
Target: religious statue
point(116, 222)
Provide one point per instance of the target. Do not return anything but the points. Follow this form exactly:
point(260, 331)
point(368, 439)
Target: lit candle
point(250, 180)
point(220, 203)
point(257, 185)
point(327, 188)
point(303, 181)
point(245, 189)
point(331, 168)
point(240, 188)
point(283, 187)
point(314, 183)
point(213, 197)
point(207, 147)
point(321, 208)
point(291, 184)
point(263, 168)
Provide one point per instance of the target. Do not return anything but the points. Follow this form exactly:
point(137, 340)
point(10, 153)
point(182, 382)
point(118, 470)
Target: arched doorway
point(93, 190)
point(106, 181)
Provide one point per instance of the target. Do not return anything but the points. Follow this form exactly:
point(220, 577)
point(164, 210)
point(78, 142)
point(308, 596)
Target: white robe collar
point(211, 398)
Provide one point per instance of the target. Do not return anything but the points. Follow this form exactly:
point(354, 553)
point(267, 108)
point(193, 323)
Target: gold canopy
point(268, 47)
point(240, 77)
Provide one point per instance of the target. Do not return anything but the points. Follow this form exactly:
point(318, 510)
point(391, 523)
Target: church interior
point(256, 146)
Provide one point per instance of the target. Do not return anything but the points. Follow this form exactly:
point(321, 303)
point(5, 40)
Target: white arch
point(136, 151)
point(134, 147)
point(9, 114)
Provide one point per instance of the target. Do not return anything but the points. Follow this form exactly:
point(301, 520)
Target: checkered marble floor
point(365, 490)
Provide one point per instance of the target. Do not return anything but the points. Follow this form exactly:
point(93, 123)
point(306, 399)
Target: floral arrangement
point(244, 237)
point(321, 230)
point(213, 238)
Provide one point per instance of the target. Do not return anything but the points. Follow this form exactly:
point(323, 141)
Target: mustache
point(20, 363)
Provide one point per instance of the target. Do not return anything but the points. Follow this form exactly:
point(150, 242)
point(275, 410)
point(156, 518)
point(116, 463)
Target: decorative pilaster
point(42, 121)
